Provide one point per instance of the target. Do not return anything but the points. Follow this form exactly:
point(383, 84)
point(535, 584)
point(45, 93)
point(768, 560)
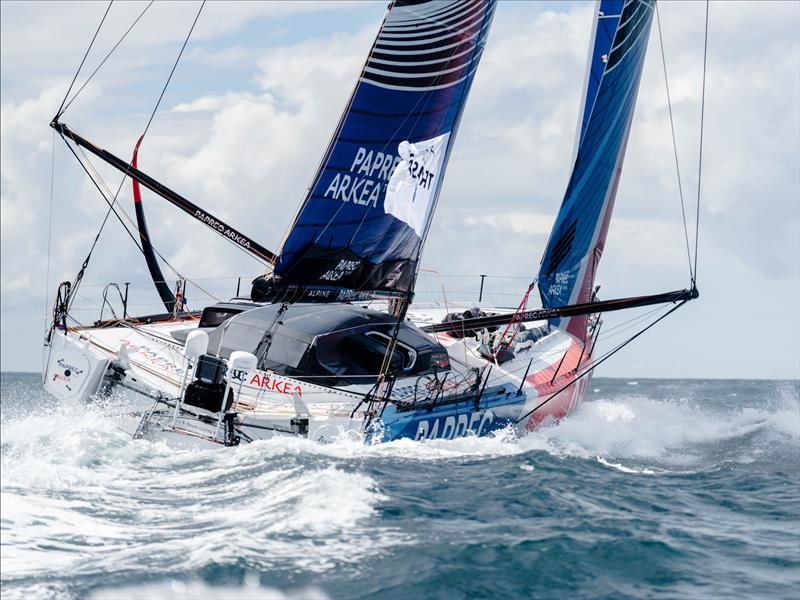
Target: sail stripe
point(438, 25)
point(441, 25)
point(407, 13)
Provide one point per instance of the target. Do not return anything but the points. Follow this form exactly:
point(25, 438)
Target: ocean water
point(653, 488)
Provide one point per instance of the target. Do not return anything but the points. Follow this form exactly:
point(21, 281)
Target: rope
point(111, 204)
point(85, 83)
point(172, 72)
point(59, 111)
point(674, 146)
point(700, 154)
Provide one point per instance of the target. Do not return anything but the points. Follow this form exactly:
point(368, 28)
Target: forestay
point(365, 217)
point(568, 268)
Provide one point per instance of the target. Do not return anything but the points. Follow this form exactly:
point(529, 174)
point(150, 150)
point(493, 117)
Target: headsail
point(576, 242)
point(368, 209)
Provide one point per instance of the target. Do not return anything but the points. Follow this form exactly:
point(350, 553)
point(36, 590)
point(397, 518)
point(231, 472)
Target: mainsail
point(366, 214)
point(576, 243)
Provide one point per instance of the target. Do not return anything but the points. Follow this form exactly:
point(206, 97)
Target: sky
point(259, 89)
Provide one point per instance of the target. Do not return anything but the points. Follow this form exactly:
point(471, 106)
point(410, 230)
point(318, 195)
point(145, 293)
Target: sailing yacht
point(330, 342)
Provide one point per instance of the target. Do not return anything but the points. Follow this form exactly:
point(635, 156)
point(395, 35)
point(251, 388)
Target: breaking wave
point(84, 506)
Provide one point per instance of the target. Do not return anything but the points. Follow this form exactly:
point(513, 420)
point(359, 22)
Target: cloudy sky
point(258, 92)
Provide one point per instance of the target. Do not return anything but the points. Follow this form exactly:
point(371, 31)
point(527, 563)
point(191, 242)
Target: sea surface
point(653, 488)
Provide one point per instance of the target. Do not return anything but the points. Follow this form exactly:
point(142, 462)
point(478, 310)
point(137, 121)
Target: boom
point(540, 314)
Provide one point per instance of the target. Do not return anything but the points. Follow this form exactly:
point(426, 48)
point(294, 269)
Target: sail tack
point(568, 268)
point(367, 212)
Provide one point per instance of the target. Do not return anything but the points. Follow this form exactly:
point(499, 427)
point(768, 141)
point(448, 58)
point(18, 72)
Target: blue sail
point(570, 261)
point(368, 209)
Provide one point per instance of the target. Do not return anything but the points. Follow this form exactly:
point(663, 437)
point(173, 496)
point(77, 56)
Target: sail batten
point(577, 240)
point(364, 219)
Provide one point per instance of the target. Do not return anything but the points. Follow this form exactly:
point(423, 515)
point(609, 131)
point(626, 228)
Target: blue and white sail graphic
point(570, 261)
point(367, 212)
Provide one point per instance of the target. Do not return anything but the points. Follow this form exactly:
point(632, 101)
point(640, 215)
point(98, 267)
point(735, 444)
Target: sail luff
point(589, 59)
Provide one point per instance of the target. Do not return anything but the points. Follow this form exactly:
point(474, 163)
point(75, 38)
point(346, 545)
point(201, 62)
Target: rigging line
point(172, 72)
point(674, 145)
point(85, 83)
point(79, 277)
point(130, 220)
point(59, 111)
point(50, 229)
point(111, 209)
point(700, 154)
point(625, 325)
point(591, 366)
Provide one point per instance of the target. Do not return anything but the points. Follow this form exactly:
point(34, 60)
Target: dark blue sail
point(576, 242)
point(367, 212)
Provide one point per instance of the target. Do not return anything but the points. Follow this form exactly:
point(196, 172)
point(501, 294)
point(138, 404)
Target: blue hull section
point(499, 407)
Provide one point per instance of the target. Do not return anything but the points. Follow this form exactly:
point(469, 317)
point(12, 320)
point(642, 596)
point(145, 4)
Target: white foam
point(623, 468)
point(180, 590)
point(73, 482)
point(677, 433)
point(98, 499)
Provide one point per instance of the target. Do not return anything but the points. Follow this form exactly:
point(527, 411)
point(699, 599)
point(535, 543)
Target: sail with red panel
point(361, 227)
point(568, 268)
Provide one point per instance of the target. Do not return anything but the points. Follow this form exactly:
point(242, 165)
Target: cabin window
point(214, 316)
point(408, 354)
point(363, 354)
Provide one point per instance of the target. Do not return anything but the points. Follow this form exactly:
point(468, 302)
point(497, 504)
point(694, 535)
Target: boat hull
point(83, 364)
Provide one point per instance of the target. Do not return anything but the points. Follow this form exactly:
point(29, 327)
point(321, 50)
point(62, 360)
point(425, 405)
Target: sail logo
point(370, 170)
point(418, 171)
point(344, 268)
point(411, 189)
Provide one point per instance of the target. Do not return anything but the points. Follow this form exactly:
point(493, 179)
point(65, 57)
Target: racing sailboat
point(330, 341)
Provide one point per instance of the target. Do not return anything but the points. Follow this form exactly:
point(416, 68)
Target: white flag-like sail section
point(568, 268)
point(363, 222)
point(409, 195)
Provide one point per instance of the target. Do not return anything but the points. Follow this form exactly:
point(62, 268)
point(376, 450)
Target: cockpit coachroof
point(324, 339)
